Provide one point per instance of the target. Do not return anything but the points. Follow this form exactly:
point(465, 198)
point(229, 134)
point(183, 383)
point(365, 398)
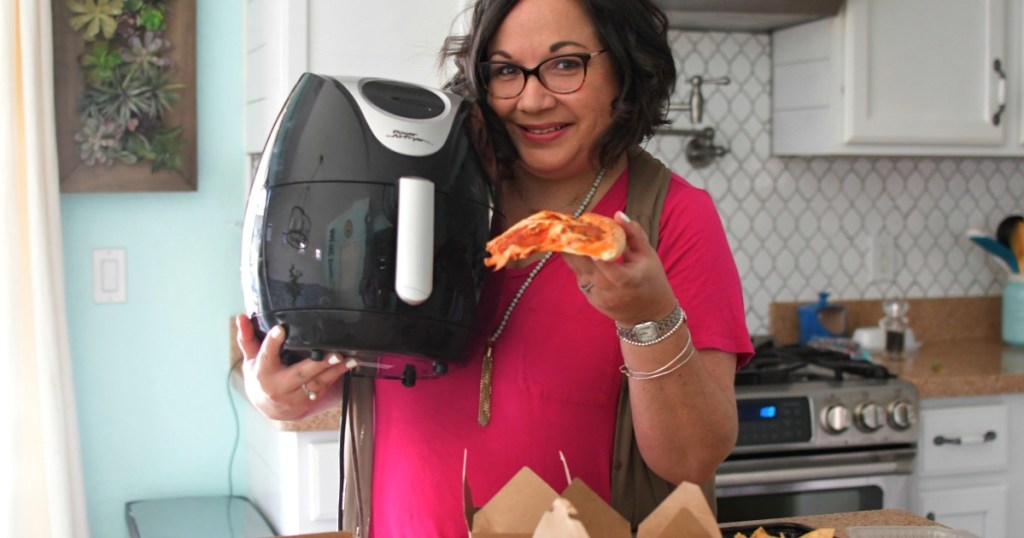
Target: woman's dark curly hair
point(634, 33)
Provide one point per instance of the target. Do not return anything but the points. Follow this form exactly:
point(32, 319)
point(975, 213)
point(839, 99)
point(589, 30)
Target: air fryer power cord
point(346, 386)
point(345, 401)
point(238, 431)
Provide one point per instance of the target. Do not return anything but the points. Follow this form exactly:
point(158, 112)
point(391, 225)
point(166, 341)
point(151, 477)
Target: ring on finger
point(585, 288)
point(311, 394)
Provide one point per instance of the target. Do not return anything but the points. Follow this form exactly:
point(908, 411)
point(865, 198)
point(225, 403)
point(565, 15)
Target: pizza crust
point(590, 234)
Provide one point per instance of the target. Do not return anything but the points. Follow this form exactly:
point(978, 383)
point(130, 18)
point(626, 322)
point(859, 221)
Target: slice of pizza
point(590, 234)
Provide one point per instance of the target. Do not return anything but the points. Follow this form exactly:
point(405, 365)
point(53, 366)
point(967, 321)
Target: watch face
point(645, 332)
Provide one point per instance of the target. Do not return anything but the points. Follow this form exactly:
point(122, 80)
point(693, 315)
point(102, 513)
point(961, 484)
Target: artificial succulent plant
point(129, 87)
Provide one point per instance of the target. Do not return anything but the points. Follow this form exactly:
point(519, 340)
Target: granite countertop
point(973, 367)
point(961, 352)
point(839, 522)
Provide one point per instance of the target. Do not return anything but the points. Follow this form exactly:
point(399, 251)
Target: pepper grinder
point(894, 325)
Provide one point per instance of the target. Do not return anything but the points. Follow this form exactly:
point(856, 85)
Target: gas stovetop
point(795, 364)
point(794, 398)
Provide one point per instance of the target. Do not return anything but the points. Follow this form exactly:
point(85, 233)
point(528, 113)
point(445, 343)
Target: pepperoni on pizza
point(589, 234)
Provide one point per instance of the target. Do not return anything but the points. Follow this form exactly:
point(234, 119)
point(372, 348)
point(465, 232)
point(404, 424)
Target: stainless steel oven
point(818, 441)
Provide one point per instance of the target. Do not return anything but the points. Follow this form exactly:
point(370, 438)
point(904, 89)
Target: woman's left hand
point(631, 291)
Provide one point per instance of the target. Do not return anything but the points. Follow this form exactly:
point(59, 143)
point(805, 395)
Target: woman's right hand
point(285, 392)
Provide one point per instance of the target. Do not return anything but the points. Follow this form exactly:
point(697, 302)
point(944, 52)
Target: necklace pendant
point(484, 415)
point(486, 370)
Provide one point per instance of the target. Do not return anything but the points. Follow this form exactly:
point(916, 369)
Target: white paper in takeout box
point(527, 507)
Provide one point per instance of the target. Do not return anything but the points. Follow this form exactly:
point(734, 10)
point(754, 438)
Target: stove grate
point(796, 363)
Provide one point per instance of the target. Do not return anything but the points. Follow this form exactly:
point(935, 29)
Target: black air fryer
point(365, 228)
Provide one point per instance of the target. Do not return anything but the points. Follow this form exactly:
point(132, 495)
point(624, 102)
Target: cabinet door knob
point(988, 437)
point(930, 515)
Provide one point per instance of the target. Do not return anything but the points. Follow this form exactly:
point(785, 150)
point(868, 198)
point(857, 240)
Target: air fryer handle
point(414, 259)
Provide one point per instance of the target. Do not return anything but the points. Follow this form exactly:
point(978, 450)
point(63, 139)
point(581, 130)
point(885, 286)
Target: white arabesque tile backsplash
point(799, 226)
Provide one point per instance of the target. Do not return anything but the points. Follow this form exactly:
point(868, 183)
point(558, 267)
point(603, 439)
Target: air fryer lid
point(324, 238)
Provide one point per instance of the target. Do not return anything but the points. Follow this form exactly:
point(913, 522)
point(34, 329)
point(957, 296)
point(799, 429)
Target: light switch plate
point(108, 276)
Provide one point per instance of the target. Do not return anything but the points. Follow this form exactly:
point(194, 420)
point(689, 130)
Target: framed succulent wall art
point(124, 77)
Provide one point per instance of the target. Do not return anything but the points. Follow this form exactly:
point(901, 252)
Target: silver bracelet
point(649, 333)
point(666, 369)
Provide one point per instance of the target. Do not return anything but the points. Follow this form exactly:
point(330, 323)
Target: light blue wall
point(150, 374)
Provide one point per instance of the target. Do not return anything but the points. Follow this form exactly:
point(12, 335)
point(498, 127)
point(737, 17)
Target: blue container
point(821, 320)
point(1013, 311)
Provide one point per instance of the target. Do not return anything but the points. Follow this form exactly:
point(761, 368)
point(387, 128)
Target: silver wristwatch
point(652, 332)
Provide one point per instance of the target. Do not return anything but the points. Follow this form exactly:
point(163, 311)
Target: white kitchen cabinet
point(964, 439)
point(969, 467)
point(285, 38)
point(293, 475)
point(1017, 44)
point(980, 510)
point(901, 77)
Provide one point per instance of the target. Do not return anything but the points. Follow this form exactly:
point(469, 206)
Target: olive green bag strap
point(648, 185)
point(636, 490)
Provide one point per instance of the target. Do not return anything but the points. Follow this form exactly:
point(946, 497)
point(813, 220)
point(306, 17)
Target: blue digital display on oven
point(765, 421)
point(752, 412)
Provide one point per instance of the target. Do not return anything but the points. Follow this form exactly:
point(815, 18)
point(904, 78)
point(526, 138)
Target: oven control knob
point(870, 416)
point(901, 414)
point(836, 418)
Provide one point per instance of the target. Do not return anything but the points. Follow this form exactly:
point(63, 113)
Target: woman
point(567, 87)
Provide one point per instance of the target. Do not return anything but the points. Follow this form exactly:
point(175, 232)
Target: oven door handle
point(779, 476)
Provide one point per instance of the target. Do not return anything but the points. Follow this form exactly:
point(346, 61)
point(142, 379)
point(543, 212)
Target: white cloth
point(42, 491)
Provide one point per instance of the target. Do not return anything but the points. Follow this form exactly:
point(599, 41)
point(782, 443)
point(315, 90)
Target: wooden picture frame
point(76, 175)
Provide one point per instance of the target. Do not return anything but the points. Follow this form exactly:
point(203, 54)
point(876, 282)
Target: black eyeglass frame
point(585, 57)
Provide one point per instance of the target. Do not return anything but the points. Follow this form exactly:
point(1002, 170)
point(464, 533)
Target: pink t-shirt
point(555, 380)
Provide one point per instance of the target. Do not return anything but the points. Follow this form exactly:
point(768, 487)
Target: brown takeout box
point(527, 507)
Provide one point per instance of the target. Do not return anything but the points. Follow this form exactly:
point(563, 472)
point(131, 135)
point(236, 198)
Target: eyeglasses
point(560, 74)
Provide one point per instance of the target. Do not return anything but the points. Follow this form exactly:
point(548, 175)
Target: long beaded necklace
point(486, 371)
